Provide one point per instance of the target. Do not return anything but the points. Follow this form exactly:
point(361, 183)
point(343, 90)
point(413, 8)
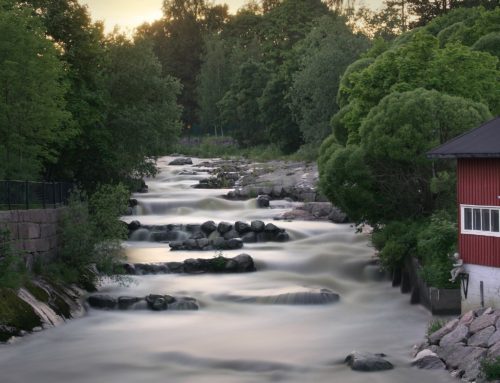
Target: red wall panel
point(478, 183)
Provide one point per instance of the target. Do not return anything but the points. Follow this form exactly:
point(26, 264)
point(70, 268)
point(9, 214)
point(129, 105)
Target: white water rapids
point(229, 341)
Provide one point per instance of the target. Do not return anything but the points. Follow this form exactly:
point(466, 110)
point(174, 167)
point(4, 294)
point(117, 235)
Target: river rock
point(364, 361)
point(240, 264)
point(102, 301)
point(224, 227)
point(242, 227)
point(428, 360)
point(257, 226)
point(231, 234)
point(181, 161)
point(159, 302)
point(263, 201)
point(183, 304)
point(458, 335)
point(134, 225)
point(234, 243)
point(250, 237)
point(125, 303)
point(208, 227)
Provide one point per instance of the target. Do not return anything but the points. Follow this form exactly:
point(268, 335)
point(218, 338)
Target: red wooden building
point(478, 193)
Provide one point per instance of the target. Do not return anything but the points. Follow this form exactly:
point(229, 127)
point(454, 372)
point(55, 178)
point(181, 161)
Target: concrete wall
point(490, 276)
point(33, 232)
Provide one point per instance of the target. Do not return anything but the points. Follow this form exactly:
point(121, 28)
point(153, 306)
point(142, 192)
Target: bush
point(490, 368)
point(434, 325)
point(91, 235)
point(436, 243)
point(396, 241)
point(13, 272)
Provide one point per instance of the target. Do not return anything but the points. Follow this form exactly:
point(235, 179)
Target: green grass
point(491, 368)
point(435, 325)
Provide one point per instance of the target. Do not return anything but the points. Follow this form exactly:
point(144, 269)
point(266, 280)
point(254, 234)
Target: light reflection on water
point(228, 341)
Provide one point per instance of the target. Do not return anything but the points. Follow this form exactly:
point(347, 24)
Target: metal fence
point(16, 195)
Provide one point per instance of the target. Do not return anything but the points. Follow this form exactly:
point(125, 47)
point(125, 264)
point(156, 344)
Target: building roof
point(480, 142)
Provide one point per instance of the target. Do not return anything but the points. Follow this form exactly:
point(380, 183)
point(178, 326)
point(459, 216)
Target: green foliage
point(435, 325)
point(327, 51)
point(490, 368)
point(15, 312)
point(90, 237)
point(387, 175)
point(396, 242)
point(34, 124)
point(436, 243)
point(13, 272)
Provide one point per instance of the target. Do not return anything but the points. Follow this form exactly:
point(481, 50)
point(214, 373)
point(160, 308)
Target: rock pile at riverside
point(242, 263)
point(209, 235)
point(152, 302)
point(462, 344)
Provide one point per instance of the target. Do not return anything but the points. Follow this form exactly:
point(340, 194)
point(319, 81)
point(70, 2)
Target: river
point(229, 341)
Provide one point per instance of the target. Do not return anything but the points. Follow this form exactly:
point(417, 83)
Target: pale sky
point(128, 14)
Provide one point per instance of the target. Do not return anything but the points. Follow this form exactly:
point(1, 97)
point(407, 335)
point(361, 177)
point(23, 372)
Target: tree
point(327, 50)
point(387, 176)
point(213, 83)
point(34, 124)
point(143, 117)
point(240, 108)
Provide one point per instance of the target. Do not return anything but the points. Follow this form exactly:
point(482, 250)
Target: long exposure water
point(232, 341)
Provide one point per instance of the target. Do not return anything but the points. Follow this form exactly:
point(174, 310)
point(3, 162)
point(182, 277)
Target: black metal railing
point(16, 195)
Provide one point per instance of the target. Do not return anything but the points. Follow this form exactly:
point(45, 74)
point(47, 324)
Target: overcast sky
point(130, 13)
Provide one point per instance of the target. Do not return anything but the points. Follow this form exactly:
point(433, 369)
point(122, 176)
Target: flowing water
point(232, 341)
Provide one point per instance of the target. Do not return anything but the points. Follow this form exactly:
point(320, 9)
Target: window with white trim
point(480, 220)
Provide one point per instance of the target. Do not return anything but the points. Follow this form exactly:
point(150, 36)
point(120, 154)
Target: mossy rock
point(16, 313)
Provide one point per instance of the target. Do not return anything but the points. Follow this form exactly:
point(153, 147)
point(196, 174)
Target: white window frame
point(487, 233)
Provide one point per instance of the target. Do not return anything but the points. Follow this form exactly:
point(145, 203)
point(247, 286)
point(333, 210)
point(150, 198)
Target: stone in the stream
point(242, 227)
point(159, 302)
point(231, 234)
point(181, 161)
point(257, 226)
point(250, 237)
point(282, 237)
point(184, 304)
point(263, 201)
point(176, 245)
point(428, 360)
point(240, 264)
point(125, 303)
point(208, 227)
point(219, 243)
point(365, 361)
point(134, 225)
point(234, 244)
point(224, 227)
point(102, 301)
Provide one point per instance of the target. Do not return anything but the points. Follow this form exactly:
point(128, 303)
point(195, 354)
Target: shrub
point(434, 325)
point(490, 368)
point(91, 234)
point(13, 272)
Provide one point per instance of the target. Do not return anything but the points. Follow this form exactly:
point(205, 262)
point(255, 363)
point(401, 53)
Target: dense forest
point(374, 90)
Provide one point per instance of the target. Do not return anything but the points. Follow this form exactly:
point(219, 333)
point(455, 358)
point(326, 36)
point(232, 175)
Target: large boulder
point(481, 338)
point(242, 227)
point(365, 361)
point(483, 321)
point(224, 227)
point(208, 227)
point(257, 226)
point(263, 201)
point(436, 336)
point(240, 264)
point(159, 302)
point(181, 161)
point(102, 301)
point(458, 335)
point(134, 225)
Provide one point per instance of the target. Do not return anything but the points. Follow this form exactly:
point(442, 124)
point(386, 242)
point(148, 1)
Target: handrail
point(16, 195)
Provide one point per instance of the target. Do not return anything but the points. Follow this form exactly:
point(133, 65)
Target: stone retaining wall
point(33, 232)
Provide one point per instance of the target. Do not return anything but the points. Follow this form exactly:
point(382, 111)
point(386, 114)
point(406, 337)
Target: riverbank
point(468, 346)
point(37, 305)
